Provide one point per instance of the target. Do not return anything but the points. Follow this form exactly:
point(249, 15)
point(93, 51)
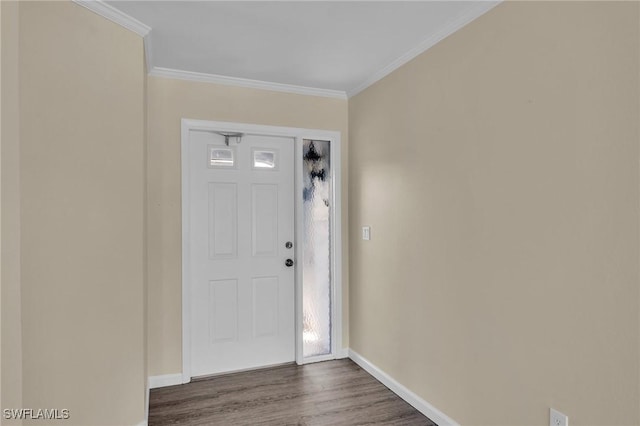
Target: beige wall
point(499, 172)
point(11, 343)
point(168, 101)
point(82, 214)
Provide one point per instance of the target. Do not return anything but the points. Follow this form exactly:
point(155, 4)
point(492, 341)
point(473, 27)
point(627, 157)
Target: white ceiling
point(340, 46)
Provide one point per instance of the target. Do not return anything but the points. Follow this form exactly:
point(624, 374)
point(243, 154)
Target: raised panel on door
point(223, 220)
point(223, 304)
point(264, 219)
point(265, 306)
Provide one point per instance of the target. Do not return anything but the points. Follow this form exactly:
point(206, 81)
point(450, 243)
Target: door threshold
point(318, 358)
point(242, 370)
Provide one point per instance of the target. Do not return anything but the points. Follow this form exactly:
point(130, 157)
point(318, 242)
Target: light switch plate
point(556, 418)
point(366, 233)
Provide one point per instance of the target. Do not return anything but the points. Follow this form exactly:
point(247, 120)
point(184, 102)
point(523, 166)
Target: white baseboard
point(414, 400)
point(142, 423)
point(165, 380)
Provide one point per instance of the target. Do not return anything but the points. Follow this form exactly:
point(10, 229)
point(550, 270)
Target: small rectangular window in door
point(264, 160)
point(221, 157)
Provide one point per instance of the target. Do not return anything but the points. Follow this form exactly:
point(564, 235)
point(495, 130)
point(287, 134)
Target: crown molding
point(244, 82)
point(478, 9)
point(115, 15)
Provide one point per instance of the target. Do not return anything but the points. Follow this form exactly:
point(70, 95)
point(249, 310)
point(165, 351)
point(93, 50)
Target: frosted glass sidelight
point(316, 272)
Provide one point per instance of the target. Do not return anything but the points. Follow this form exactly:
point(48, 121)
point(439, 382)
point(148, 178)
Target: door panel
point(241, 216)
point(223, 312)
point(265, 306)
point(223, 215)
point(264, 218)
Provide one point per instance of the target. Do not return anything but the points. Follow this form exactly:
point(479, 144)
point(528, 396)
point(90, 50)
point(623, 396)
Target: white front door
point(241, 220)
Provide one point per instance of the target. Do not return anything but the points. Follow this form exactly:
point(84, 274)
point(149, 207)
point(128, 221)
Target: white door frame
point(336, 229)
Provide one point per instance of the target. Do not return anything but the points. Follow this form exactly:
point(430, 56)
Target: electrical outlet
point(556, 418)
point(366, 233)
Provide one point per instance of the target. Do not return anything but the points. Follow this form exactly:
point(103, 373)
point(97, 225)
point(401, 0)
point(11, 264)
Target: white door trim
point(336, 229)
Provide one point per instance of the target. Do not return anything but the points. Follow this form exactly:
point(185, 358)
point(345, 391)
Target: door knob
point(288, 244)
point(289, 262)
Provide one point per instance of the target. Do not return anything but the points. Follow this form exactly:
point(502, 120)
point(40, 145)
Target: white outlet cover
point(556, 418)
point(366, 233)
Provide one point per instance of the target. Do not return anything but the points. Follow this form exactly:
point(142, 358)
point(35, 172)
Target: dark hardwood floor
point(326, 393)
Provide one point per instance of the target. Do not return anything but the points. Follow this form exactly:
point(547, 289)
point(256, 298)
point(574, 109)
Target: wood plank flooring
point(326, 393)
